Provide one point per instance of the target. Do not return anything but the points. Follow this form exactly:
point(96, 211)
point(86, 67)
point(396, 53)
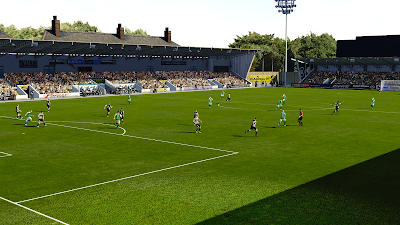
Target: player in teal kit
point(283, 118)
point(279, 104)
point(372, 103)
point(28, 116)
point(283, 98)
point(117, 118)
point(210, 100)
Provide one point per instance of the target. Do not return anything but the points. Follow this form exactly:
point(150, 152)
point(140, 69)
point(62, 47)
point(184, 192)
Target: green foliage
point(309, 46)
point(24, 33)
point(79, 26)
point(274, 49)
point(313, 46)
point(37, 34)
point(139, 31)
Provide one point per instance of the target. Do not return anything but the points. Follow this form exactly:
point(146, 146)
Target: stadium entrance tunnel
point(366, 193)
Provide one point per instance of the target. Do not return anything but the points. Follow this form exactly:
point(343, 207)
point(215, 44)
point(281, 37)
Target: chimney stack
point(55, 26)
point(120, 32)
point(167, 35)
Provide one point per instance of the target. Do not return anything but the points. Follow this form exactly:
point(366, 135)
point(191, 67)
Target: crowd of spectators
point(62, 82)
point(230, 80)
point(46, 83)
point(5, 89)
point(319, 77)
point(358, 78)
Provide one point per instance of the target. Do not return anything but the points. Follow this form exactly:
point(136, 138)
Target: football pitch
point(155, 169)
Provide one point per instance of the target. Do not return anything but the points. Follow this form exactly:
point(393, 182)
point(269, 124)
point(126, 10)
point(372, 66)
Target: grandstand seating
point(5, 89)
point(46, 83)
point(359, 78)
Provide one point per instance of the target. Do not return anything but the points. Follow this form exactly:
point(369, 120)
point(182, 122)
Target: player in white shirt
point(197, 122)
point(41, 119)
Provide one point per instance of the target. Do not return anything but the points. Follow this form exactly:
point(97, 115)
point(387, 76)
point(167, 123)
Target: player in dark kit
point(41, 119)
point(253, 126)
point(300, 120)
point(108, 106)
point(122, 115)
point(18, 112)
point(337, 106)
point(48, 105)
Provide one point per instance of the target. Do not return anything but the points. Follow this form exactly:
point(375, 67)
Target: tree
point(313, 46)
point(139, 31)
point(272, 46)
point(79, 26)
point(309, 46)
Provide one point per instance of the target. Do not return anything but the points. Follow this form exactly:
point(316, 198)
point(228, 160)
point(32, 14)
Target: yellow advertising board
point(261, 77)
point(24, 87)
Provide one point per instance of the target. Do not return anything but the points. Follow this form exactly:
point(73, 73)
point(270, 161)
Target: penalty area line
point(5, 154)
point(125, 178)
point(39, 213)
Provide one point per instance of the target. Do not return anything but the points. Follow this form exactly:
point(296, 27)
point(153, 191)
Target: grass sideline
point(334, 164)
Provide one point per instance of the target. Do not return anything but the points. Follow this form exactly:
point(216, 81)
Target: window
point(49, 69)
point(193, 68)
point(150, 68)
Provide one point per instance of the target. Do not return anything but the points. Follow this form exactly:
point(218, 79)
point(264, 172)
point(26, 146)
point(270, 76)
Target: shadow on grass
point(246, 136)
point(187, 132)
point(187, 125)
point(367, 193)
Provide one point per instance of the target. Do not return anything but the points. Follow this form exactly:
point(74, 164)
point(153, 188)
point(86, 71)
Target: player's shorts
point(29, 119)
point(118, 122)
point(280, 105)
point(253, 128)
point(372, 104)
point(41, 120)
point(282, 119)
point(300, 118)
point(48, 106)
point(108, 110)
point(198, 125)
point(222, 95)
point(210, 103)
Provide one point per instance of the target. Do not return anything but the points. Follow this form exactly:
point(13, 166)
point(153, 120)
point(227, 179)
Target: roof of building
point(348, 61)
point(106, 38)
point(90, 49)
point(5, 35)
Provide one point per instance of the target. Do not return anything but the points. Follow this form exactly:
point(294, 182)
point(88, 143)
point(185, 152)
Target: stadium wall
point(12, 63)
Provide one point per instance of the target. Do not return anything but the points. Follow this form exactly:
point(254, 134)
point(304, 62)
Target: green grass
point(336, 169)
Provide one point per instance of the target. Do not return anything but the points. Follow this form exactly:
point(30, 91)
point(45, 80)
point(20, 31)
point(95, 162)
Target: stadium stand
point(5, 90)
point(46, 83)
point(358, 78)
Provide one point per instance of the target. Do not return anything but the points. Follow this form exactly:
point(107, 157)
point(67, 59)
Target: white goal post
point(390, 85)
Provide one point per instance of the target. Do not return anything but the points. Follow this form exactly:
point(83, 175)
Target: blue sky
point(212, 23)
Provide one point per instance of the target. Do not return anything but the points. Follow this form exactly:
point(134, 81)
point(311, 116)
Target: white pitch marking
point(5, 154)
point(231, 153)
point(39, 213)
point(125, 178)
